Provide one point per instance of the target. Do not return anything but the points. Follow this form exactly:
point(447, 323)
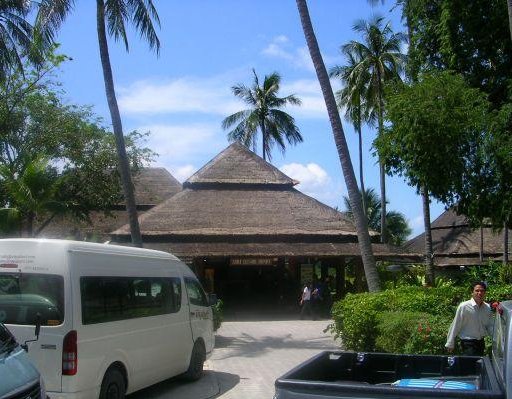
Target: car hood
point(16, 371)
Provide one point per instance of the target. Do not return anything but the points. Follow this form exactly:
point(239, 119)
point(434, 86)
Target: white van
point(113, 319)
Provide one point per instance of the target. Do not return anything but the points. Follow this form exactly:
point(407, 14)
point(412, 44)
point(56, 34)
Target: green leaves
point(264, 115)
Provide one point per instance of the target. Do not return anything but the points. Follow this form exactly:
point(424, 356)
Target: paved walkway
point(247, 359)
point(256, 353)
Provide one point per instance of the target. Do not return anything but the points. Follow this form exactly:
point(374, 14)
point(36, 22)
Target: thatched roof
point(239, 204)
point(454, 242)
point(237, 165)
point(152, 186)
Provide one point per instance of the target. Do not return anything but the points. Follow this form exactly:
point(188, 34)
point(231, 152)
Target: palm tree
point(397, 227)
point(264, 115)
point(351, 97)
point(363, 235)
point(412, 72)
point(509, 7)
point(380, 60)
point(31, 193)
point(112, 15)
point(17, 40)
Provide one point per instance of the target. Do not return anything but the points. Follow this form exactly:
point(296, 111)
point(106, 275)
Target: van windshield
point(25, 297)
point(7, 341)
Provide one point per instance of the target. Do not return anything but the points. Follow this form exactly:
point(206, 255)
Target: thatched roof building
point(239, 220)
point(238, 204)
point(151, 186)
point(455, 243)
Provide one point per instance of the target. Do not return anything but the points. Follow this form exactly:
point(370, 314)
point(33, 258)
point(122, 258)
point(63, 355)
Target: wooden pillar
point(359, 273)
point(340, 278)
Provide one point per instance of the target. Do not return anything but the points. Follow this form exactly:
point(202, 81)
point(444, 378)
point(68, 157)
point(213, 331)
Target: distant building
point(455, 243)
point(250, 235)
point(152, 186)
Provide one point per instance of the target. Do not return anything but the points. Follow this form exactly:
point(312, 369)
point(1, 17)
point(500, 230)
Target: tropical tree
point(440, 108)
point(113, 15)
point(363, 236)
point(352, 98)
point(19, 40)
point(264, 115)
point(397, 227)
point(54, 158)
point(33, 193)
point(380, 60)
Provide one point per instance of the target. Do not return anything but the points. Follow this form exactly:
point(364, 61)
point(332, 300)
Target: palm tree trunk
point(505, 244)
point(124, 166)
point(363, 236)
point(429, 256)
point(361, 178)
point(383, 229)
point(263, 139)
point(509, 5)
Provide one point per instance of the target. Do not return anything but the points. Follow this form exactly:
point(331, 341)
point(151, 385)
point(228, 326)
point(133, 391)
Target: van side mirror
point(212, 299)
point(38, 325)
point(36, 332)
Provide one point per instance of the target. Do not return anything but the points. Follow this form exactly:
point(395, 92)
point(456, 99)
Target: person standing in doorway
point(306, 302)
point(473, 321)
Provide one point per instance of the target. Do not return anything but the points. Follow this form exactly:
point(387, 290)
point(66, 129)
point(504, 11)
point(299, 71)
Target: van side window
point(107, 299)
point(195, 292)
point(26, 296)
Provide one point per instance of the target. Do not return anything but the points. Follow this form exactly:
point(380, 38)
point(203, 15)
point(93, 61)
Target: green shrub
point(394, 330)
point(429, 336)
point(498, 293)
point(218, 314)
point(356, 321)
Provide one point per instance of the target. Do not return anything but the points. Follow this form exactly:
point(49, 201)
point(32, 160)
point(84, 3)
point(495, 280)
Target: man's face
point(478, 293)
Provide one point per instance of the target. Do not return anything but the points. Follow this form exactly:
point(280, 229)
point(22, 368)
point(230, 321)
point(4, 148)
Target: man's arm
point(455, 328)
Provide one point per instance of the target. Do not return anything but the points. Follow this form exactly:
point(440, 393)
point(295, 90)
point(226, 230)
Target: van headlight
point(42, 388)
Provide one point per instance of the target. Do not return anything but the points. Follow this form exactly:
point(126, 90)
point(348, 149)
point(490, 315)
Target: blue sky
point(207, 46)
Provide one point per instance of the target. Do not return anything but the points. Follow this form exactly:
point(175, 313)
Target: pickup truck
point(367, 375)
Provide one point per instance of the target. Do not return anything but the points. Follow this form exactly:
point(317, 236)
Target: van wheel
point(113, 385)
point(195, 368)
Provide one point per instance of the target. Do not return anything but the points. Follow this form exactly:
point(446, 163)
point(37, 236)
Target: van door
point(201, 316)
point(26, 297)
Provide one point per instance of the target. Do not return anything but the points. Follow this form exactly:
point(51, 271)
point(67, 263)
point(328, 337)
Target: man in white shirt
point(473, 321)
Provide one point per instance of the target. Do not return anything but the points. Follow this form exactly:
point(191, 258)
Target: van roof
point(69, 245)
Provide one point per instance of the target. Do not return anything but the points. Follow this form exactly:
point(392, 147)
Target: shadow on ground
point(211, 385)
point(248, 346)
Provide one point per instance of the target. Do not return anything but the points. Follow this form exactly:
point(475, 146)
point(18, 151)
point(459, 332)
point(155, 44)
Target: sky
point(182, 95)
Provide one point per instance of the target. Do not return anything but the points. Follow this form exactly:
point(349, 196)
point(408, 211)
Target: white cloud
point(417, 225)
point(280, 47)
point(203, 95)
point(179, 144)
point(211, 96)
point(314, 181)
point(182, 173)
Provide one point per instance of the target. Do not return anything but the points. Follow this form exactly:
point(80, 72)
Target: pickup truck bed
point(371, 375)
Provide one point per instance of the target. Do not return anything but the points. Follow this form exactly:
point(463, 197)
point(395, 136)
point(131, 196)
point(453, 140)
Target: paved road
point(247, 359)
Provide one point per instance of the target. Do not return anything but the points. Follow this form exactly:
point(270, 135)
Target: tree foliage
point(397, 227)
point(55, 158)
point(264, 115)
point(436, 133)
point(471, 38)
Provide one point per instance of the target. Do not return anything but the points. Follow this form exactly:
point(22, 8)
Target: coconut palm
point(265, 115)
point(113, 15)
point(429, 256)
point(380, 60)
point(397, 227)
point(351, 97)
point(363, 236)
point(31, 192)
point(17, 41)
